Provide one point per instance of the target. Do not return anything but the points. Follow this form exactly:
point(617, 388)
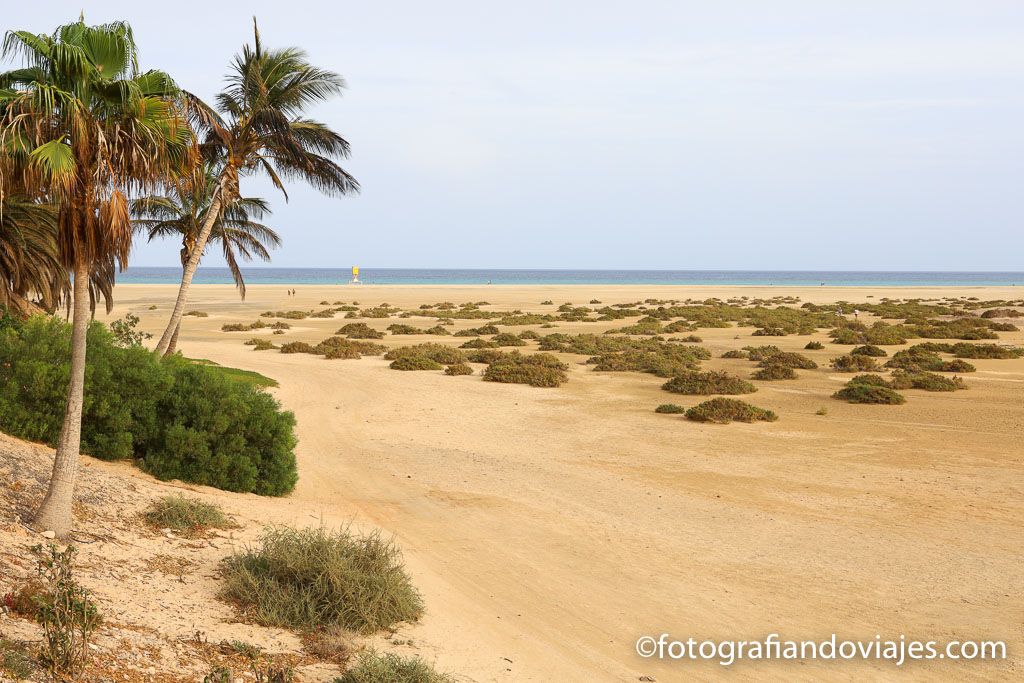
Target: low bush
point(372, 667)
point(528, 334)
point(359, 331)
point(65, 611)
point(176, 418)
point(846, 336)
point(928, 381)
point(854, 364)
point(188, 515)
point(439, 353)
point(712, 382)
point(415, 363)
point(536, 370)
point(874, 380)
point(297, 347)
point(243, 327)
point(788, 359)
point(341, 347)
point(261, 344)
point(863, 392)
point(736, 353)
point(507, 339)
point(814, 346)
point(438, 330)
point(197, 314)
point(458, 369)
point(760, 353)
point(772, 372)
point(310, 578)
point(919, 359)
point(478, 343)
point(868, 350)
point(485, 355)
point(399, 328)
point(670, 409)
point(769, 332)
point(726, 410)
point(1002, 313)
point(478, 331)
point(976, 351)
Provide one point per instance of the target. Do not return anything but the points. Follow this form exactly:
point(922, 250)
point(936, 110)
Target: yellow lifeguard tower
point(355, 275)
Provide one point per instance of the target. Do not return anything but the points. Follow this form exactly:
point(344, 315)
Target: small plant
point(124, 332)
point(458, 369)
point(769, 332)
point(359, 331)
point(772, 372)
point(814, 346)
point(726, 410)
point(188, 515)
point(712, 382)
point(478, 343)
point(439, 353)
point(261, 344)
point(197, 314)
point(67, 614)
point(297, 347)
point(548, 302)
point(736, 353)
point(330, 644)
point(310, 578)
point(415, 363)
point(789, 360)
point(670, 409)
point(372, 667)
point(537, 370)
point(507, 339)
point(16, 660)
point(862, 392)
point(928, 381)
point(868, 350)
point(855, 364)
point(821, 411)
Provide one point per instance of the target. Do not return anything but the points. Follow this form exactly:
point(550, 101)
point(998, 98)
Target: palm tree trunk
point(55, 512)
point(212, 214)
point(174, 340)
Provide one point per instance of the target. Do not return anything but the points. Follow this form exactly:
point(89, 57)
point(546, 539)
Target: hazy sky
point(592, 134)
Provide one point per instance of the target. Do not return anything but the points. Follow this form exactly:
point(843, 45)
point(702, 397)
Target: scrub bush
point(726, 410)
point(862, 392)
point(703, 383)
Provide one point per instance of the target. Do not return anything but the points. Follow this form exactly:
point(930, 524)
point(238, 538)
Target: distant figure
point(488, 282)
point(855, 313)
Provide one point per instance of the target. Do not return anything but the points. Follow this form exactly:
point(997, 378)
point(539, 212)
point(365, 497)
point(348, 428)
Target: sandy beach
point(549, 528)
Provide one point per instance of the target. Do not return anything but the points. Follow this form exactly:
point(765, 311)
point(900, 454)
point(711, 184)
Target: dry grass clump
point(311, 578)
point(197, 314)
point(415, 363)
point(855, 364)
point(726, 410)
point(536, 370)
point(439, 353)
point(814, 346)
point(869, 350)
point(704, 383)
point(372, 667)
point(456, 369)
point(330, 644)
point(670, 409)
point(359, 331)
point(189, 515)
point(771, 372)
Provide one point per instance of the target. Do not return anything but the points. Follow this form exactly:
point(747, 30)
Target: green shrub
point(485, 356)
point(769, 332)
point(308, 578)
point(868, 350)
point(125, 333)
point(965, 350)
point(415, 363)
point(372, 667)
point(478, 343)
point(771, 372)
point(874, 380)
point(359, 331)
point(789, 359)
point(261, 344)
point(928, 381)
point(507, 339)
point(189, 515)
point(846, 336)
point(670, 409)
point(537, 370)
point(197, 314)
point(243, 327)
point(887, 335)
point(814, 346)
point(919, 359)
point(297, 347)
point(1002, 313)
point(438, 330)
point(439, 353)
point(736, 353)
point(340, 347)
point(726, 410)
point(854, 364)
point(399, 328)
point(478, 331)
point(458, 369)
point(528, 334)
point(712, 382)
point(760, 353)
point(862, 392)
point(66, 612)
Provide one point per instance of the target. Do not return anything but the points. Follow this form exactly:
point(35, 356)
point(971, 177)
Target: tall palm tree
point(83, 124)
point(259, 128)
point(182, 213)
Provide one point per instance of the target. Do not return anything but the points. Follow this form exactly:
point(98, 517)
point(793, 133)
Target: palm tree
point(259, 128)
point(31, 274)
point(85, 126)
point(182, 212)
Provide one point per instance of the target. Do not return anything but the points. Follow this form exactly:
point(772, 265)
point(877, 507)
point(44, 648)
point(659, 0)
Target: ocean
point(429, 276)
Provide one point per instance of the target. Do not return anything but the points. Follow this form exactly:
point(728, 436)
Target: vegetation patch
point(712, 382)
point(536, 370)
point(359, 331)
point(439, 353)
point(919, 359)
point(855, 364)
point(297, 347)
point(928, 381)
point(507, 339)
point(863, 392)
point(670, 409)
point(311, 578)
point(869, 350)
point(372, 667)
point(814, 346)
point(726, 410)
point(186, 515)
point(478, 343)
point(478, 331)
point(771, 372)
point(458, 369)
point(788, 359)
point(415, 363)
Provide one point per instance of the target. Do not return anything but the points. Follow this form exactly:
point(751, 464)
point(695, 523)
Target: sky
point(803, 135)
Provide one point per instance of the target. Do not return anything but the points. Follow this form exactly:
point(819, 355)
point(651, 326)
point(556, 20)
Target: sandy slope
point(550, 528)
